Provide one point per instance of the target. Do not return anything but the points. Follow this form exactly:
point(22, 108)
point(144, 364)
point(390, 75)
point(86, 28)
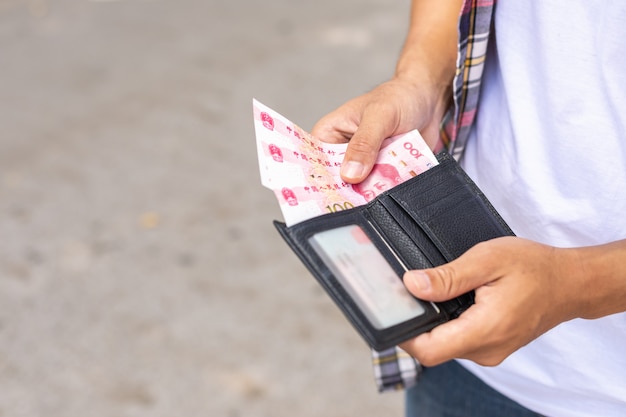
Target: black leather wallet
point(359, 255)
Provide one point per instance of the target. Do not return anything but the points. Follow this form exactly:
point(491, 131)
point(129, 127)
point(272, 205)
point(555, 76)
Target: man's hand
point(394, 107)
point(415, 98)
point(523, 289)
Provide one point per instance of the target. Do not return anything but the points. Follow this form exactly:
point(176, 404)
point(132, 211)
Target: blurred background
point(140, 274)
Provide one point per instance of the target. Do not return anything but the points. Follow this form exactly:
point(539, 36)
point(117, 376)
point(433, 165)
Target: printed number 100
point(339, 207)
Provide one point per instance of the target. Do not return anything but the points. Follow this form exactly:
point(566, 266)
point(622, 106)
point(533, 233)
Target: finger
point(478, 266)
point(339, 125)
point(364, 146)
point(452, 340)
point(334, 128)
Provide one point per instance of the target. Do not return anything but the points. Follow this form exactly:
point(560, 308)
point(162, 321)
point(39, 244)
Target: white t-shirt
point(549, 151)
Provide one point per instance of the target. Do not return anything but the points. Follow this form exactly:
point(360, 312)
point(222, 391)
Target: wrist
point(599, 275)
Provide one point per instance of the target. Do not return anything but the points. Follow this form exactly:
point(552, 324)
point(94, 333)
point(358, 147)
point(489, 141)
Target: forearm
point(428, 57)
point(600, 272)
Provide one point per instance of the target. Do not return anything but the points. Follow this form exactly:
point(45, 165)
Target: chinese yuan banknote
point(303, 171)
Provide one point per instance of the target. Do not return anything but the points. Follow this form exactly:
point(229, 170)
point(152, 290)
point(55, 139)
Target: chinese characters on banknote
point(304, 174)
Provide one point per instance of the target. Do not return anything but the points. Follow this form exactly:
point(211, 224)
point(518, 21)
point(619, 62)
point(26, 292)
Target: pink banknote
point(304, 174)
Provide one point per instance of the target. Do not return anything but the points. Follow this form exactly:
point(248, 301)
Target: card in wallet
point(360, 255)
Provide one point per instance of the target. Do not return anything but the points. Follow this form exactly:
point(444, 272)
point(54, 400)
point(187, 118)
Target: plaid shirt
point(393, 368)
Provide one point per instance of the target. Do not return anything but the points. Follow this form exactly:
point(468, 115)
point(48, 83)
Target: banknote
point(304, 172)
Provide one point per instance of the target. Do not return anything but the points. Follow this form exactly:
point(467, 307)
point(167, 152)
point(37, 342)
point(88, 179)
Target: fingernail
point(421, 280)
point(352, 169)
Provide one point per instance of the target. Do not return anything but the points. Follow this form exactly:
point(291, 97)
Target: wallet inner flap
point(404, 236)
point(448, 208)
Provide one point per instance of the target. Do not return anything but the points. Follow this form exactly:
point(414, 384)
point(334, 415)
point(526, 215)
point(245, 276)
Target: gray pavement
point(140, 274)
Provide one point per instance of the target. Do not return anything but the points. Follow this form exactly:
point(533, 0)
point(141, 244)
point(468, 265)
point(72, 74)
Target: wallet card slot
point(405, 236)
point(457, 212)
point(449, 208)
point(456, 222)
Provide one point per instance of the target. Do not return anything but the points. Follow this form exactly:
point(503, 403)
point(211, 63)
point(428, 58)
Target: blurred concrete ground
point(140, 274)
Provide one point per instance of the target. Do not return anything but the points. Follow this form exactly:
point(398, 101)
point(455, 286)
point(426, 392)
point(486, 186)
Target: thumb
point(364, 146)
point(447, 281)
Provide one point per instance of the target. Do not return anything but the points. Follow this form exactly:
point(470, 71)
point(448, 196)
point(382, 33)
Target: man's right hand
point(394, 107)
point(416, 98)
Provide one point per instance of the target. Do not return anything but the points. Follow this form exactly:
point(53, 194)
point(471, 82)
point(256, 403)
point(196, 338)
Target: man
point(547, 145)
